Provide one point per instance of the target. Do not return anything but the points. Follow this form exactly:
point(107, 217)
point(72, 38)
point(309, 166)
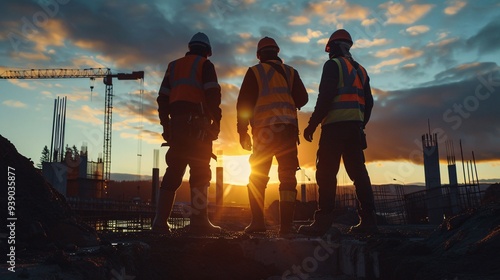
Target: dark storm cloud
point(139, 106)
point(487, 39)
point(459, 106)
point(461, 103)
point(130, 33)
point(138, 34)
point(444, 52)
point(132, 30)
point(464, 72)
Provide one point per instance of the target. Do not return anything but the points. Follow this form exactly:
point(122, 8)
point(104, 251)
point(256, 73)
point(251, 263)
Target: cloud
point(443, 51)
point(85, 61)
point(134, 109)
point(417, 29)
point(333, 11)
point(443, 43)
point(31, 56)
point(409, 66)
point(149, 137)
point(354, 12)
point(322, 8)
point(131, 35)
point(78, 94)
point(466, 71)
point(299, 20)
point(14, 104)
point(245, 47)
point(398, 13)
point(46, 93)
point(458, 104)
point(442, 35)
point(487, 39)
point(402, 51)
point(85, 114)
point(53, 34)
point(397, 56)
point(21, 84)
point(454, 7)
point(368, 22)
point(138, 31)
point(298, 38)
point(365, 43)
point(323, 41)
point(232, 72)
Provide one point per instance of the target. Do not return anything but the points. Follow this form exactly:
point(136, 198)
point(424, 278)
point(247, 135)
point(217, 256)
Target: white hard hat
point(201, 39)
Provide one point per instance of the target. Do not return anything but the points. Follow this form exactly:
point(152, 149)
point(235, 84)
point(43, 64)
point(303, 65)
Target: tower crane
point(91, 73)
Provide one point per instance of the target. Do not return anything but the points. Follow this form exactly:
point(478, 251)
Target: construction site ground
point(404, 252)
point(52, 243)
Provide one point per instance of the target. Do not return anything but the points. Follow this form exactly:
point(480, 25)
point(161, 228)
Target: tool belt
point(199, 127)
point(192, 126)
point(187, 128)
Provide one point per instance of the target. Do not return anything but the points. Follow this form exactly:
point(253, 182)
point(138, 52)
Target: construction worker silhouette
point(343, 108)
point(189, 108)
point(268, 100)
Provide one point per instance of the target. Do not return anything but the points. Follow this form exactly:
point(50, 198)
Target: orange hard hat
point(339, 35)
point(267, 42)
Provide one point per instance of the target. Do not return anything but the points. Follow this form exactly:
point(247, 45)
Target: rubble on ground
point(463, 247)
point(51, 243)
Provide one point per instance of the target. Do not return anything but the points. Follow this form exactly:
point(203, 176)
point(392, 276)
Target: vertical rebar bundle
point(58, 130)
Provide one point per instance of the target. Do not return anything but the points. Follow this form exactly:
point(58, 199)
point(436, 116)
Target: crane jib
point(91, 73)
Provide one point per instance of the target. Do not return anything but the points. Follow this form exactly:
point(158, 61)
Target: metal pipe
point(56, 135)
point(475, 167)
point(51, 154)
point(63, 128)
point(463, 165)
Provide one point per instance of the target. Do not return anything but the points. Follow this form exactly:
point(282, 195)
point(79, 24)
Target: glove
point(245, 141)
point(213, 131)
point(308, 133)
point(166, 133)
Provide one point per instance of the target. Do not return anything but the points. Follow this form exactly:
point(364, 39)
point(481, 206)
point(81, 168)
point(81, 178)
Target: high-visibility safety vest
point(275, 104)
point(185, 77)
point(349, 103)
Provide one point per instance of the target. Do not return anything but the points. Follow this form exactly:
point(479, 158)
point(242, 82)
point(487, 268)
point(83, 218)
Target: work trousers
point(342, 140)
point(185, 149)
point(278, 141)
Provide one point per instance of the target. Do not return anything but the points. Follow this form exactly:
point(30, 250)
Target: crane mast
point(91, 73)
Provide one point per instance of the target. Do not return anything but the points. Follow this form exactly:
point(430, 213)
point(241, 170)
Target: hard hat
point(201, 39)
point(339, 35)
point(267, 42)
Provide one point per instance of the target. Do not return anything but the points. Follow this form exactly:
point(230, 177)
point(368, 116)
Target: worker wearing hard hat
point(268, 100)
point(189, 108)
point(343, 108)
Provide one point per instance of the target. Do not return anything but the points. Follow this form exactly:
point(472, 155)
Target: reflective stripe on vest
point(185, 75)
point(275, 104)
point(349, 103)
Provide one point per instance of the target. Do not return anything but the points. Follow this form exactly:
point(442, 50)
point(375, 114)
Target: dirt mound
point(40, 216)
point(492, 194)
point(463, 247)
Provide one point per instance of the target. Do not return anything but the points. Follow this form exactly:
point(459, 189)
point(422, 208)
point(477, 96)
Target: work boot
point(163, 208)
point(322, 223)
point(367, 223)
point(256, 196)
point(199, 222)
point(287, 209)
